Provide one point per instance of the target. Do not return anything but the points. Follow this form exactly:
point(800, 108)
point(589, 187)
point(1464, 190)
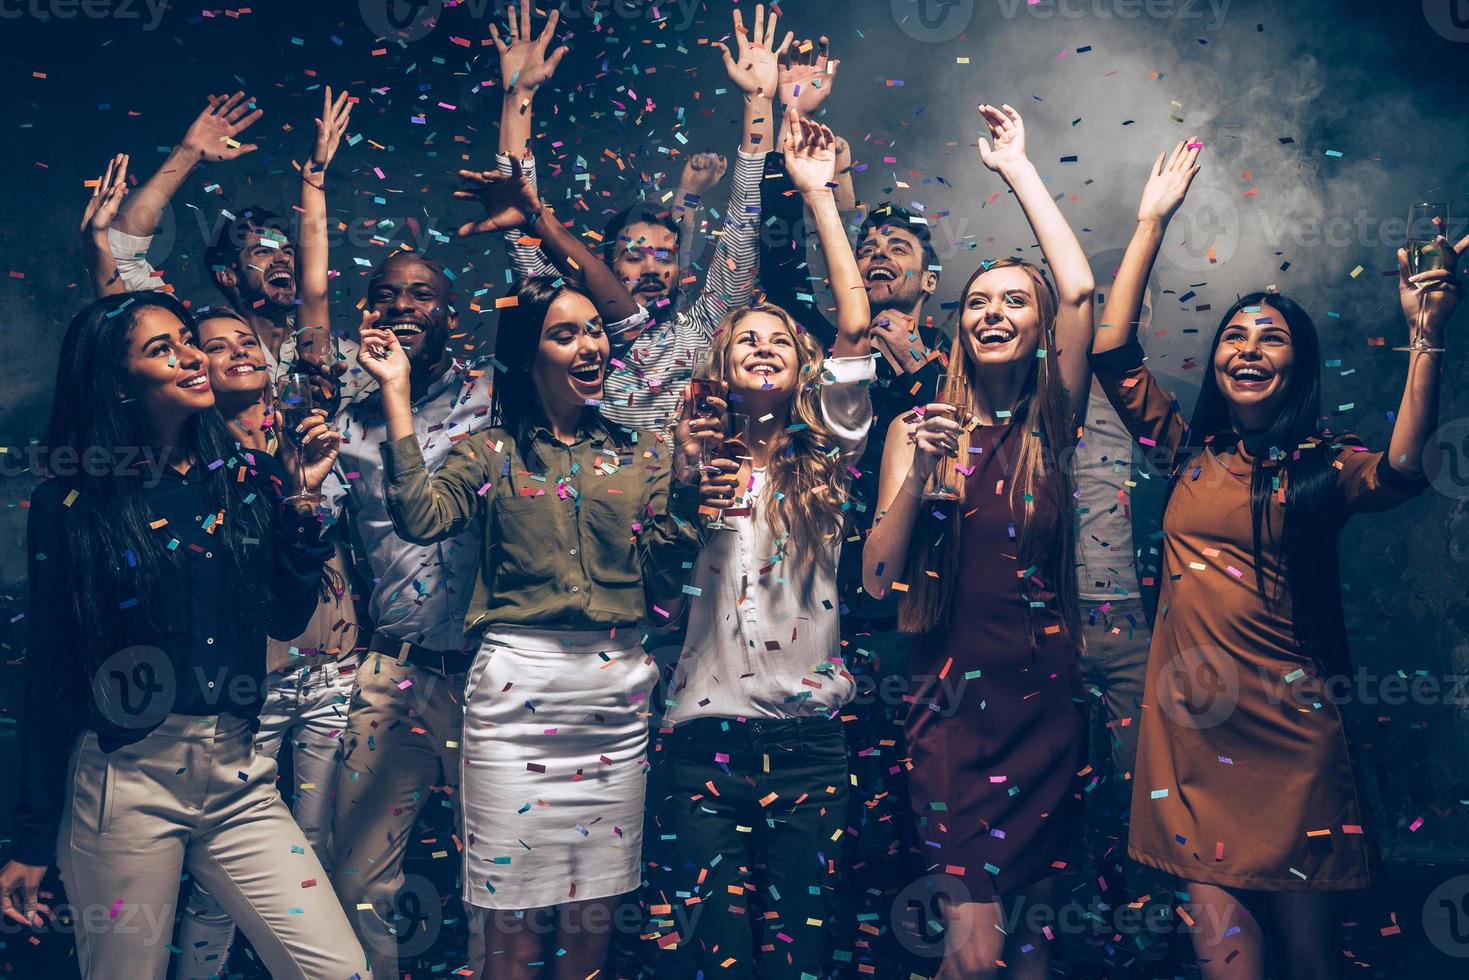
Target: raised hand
point(111, 188)
point(695, 433)
point(524, 66)
point(806, 75)
point(1008, 132)
point(810, 154)
point(1169, 180)
point(1430, 298)
point(508, 199)
point(380, 354)
point(330, 128)
point(755, 69)
point(701, 173)
point(212, 134)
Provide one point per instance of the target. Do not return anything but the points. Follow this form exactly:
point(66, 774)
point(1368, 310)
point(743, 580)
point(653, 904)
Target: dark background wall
point(1323, 122)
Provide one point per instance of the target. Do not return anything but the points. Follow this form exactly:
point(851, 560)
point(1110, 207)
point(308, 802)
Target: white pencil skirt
point(553, 766)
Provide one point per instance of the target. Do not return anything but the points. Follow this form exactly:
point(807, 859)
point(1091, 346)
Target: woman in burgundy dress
point(996, 732)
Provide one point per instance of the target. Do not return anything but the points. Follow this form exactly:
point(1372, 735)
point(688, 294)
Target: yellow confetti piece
point(70, 498)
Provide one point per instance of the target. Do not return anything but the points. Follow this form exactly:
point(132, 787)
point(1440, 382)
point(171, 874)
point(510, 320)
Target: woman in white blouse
point(757, 763)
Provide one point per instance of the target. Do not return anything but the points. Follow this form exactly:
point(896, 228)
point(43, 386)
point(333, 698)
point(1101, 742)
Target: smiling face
point(236, 359)
point(413, 298)
point(165, 374)
point(265, 269)
point(570, 361)
point(646, 260)
point(891, 261)
point(1253, 363)
point(1001, 321)
point(762, 361)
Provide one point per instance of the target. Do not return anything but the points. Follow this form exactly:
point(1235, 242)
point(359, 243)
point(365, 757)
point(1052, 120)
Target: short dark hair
point(230, 237)
point(895, 215)
point(637, 214)
point(434, 265)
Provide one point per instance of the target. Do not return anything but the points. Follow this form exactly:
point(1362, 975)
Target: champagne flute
point(736, 447)
point(295, 402)
point(944, 484)
point(1426, 222)
point(703, 390)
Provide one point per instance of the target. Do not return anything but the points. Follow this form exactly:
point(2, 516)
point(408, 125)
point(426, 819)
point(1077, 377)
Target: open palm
point(212, 134)
point(755, 69)
point(523, 62)
point(106, 196)
point(1169, 180)
point(508, 199)
point(1008, 131)
point(810, 154)
point(806, 75)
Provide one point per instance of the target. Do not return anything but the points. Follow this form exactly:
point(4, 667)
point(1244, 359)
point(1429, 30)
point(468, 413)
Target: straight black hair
point(1293, 452)
point(515, 406)
point(113, 555)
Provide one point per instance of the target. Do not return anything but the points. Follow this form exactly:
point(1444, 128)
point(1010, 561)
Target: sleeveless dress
point(996, 730)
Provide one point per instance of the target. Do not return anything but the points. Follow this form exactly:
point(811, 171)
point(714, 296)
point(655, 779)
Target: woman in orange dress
point(1246, 786)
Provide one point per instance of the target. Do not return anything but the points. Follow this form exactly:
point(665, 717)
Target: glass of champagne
point(944, 484)
point(736, 447)
point(703, 390)
point(1426, 222)
point(295, 401)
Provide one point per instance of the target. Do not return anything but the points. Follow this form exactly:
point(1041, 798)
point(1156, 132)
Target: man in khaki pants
point(404, 720)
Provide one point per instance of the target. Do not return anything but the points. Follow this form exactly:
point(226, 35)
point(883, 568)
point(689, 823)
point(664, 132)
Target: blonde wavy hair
point(806, 480)
point(1047, 429)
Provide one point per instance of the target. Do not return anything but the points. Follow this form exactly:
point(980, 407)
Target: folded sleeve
point(1149, 412)
point(1368, 482)
point(130, 253)
point(527, 260)
point(846, 402)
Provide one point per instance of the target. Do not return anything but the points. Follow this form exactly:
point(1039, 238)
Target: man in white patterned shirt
point(641, 244)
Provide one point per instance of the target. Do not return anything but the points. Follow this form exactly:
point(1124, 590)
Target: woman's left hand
point(1008, 131)
point(317, 444)
point(1429, 298)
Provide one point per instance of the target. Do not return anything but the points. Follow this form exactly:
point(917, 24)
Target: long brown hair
point(1047, 440)
point(807, 475)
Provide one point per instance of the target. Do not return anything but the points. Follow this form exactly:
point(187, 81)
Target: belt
point(453, 662)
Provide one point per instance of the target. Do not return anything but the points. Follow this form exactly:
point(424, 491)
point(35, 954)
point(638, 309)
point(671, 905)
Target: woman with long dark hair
point(152, 590)
point(576, 515)
point(996, 731)
point(1246, 787)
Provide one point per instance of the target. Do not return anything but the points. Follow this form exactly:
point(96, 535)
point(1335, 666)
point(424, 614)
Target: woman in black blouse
point(161, 554)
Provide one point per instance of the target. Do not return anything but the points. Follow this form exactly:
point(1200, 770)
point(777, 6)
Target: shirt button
point(211, 685)
point(576, 588)
point(208, 554)
point(573, 551)
point(209, 640)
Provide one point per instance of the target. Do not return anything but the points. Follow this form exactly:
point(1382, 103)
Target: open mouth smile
point(195, 382)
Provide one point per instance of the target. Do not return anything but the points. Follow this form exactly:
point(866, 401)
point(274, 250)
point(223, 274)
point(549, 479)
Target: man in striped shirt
point(655, 356)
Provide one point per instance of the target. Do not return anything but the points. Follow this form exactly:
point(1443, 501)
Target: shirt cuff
point(848, 370)
point(1118, 360)
point(127, 247)
point(1401, 482)
point(757, 157)
point(401, 457)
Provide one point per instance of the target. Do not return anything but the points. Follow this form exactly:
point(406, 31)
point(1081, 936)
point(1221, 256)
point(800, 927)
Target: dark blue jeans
point(758, 807)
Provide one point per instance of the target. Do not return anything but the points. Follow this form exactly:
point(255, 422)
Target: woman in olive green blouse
point(585, 530)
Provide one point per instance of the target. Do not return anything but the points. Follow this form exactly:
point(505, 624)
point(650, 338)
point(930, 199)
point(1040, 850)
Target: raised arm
point(211, 137)
point(700, 175)
point(909, 457)
point(313, 315)
point(97, 219)
point(1428, 301)
point(810, 158)
point(524, 68)
point(510, 202)
point(424, 508)
point(755, 70)
point(1168, 184)
point(1069, 266)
